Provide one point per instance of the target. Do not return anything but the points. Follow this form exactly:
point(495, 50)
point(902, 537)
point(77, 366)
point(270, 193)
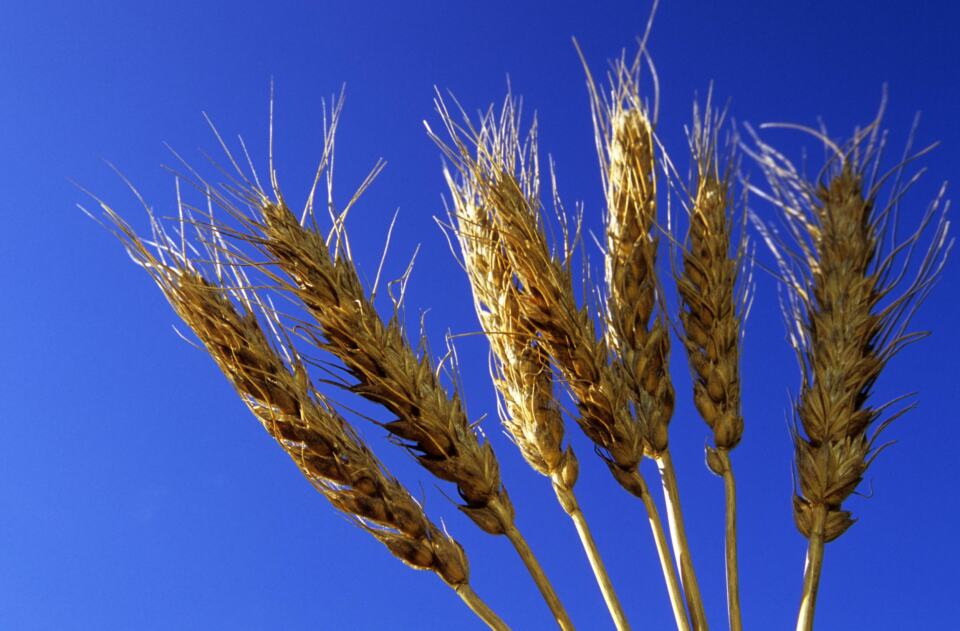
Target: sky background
point(136, 492)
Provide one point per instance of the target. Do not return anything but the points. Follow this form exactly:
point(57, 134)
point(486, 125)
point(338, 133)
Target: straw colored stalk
point(388, 371)
point(324, 447)
point(521, 370)
point(855, 287)
point(638, 329)
point(711, 315)
point(507, 182)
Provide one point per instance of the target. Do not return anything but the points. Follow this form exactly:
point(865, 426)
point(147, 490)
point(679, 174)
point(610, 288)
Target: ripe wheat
point(853, 286)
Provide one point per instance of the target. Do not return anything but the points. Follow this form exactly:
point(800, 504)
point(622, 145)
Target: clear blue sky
point(136, 492)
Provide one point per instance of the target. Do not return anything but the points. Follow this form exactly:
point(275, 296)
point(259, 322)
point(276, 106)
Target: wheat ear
point(713, 307)
point(638, 328)
point(521, 368)
point(279, 393)
point(507, 183)
point(855, 286)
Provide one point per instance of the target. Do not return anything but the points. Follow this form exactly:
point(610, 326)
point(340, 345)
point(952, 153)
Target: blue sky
point(136, 492)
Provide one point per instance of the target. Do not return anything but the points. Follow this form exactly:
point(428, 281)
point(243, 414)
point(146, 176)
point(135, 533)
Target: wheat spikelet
point(849, 311)
point(328, 452)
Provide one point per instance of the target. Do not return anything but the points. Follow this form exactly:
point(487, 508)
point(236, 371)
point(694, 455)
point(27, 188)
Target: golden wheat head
point(713, 299)
point(854, 288)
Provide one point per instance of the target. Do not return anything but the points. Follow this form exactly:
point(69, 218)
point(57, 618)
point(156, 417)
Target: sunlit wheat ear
point(521, 367)
point(273, 382)
point(854, 287)
point(638, 329)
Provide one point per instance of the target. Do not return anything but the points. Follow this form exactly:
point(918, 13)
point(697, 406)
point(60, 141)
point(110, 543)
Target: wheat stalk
point(638, 327)
point(854, 287)
point(507, 181)
point(521, 367)
point(712, 313)
point(276, 387)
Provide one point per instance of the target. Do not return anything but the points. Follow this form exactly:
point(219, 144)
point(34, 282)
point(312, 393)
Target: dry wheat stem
point(479, 607)
point(812, 569)
point(278, 391)
point(730, 541)
point(638, 329)
point(570, 505)
point(678, 537)
point(636, 484)
point(521, 369)
point(849, 311)
point(507, 180)
point(712, 320)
